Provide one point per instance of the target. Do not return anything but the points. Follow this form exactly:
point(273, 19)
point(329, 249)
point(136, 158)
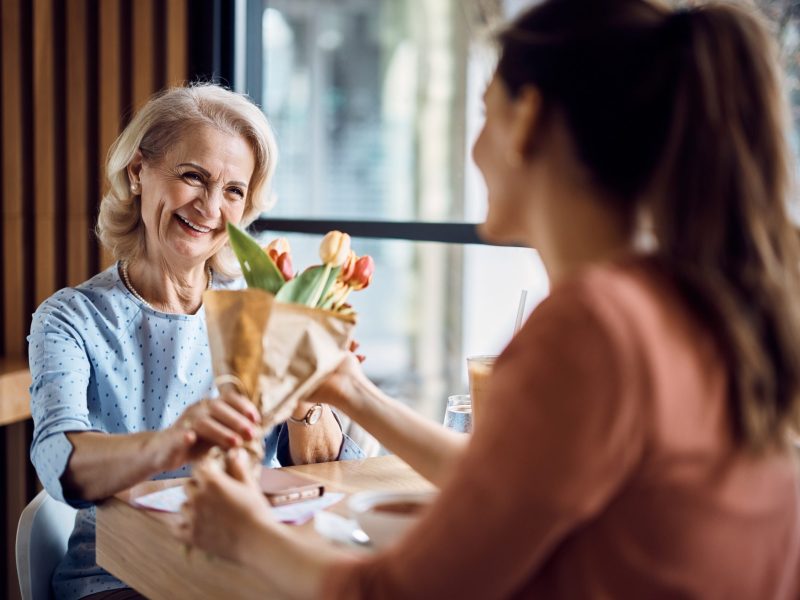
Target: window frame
point(244, 56)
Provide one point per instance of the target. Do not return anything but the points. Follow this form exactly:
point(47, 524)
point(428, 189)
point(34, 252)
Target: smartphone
point(284, 487)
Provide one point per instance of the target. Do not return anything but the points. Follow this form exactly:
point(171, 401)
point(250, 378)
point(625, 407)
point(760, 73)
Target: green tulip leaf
point(334, 273)
point(307, 286)
point(257, 267)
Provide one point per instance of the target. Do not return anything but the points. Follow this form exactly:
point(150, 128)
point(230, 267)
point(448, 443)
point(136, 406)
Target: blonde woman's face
point(188, 197)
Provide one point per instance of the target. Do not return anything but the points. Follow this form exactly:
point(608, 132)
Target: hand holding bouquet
point(276, 340)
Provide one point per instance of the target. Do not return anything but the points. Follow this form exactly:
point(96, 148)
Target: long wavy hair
point(158, 126)
point(682, 113)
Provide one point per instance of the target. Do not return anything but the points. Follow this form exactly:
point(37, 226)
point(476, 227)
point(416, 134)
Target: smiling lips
point(191, 227)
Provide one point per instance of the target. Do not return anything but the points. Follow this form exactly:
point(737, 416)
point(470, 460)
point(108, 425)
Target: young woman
point(636, 440)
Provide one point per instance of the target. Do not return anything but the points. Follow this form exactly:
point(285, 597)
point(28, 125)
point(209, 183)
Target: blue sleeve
point(60, 373)
point(349, 450)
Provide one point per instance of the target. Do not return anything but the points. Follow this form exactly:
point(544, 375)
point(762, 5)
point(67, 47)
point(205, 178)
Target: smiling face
point(497, 153)
point(189, 195)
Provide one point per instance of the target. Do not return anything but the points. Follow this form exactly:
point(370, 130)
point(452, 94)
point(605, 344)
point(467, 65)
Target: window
point(785, 14)
point(375, 104)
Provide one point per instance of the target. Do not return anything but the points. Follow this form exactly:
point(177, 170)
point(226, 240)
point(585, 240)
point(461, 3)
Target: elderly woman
point(122, 386)
point(636, 436)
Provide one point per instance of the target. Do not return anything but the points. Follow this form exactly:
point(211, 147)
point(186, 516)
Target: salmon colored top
point(604, 468)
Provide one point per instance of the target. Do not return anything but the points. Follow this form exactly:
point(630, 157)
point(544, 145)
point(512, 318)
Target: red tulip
point(362, 273)
point(284, 264)
point(280, 245)
point(348, 267)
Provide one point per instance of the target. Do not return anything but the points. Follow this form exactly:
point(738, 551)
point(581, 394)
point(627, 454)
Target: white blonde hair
point(155, 129)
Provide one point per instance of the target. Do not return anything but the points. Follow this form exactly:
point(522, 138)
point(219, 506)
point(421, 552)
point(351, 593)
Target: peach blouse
point(605, 468)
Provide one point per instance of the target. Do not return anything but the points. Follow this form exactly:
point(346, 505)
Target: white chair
point(42, 535)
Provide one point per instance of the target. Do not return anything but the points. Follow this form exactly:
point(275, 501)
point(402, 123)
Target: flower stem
point(315, 297)
point(338, 304)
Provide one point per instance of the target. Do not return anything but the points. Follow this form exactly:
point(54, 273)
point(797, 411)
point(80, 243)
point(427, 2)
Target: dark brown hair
point(682, 112)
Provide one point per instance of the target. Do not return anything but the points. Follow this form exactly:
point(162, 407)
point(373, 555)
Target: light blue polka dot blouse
point(101, 360)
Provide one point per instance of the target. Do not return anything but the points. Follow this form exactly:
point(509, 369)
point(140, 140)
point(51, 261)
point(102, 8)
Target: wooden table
point(16, 475)
point(15, 379)
point(137, 546)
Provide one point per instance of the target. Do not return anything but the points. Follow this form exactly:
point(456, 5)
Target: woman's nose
point(209, 204)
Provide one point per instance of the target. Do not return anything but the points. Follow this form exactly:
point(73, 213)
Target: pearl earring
point(135, 187)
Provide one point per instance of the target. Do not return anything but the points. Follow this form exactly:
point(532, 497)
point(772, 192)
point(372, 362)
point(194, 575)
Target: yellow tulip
point(334, 248)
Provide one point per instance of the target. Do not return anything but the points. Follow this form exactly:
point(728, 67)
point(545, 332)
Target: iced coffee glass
point(479, 369)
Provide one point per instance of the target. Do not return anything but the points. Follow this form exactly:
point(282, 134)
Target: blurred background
point(375, 104)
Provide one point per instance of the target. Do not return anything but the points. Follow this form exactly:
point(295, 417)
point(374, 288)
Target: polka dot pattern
point(101, 360)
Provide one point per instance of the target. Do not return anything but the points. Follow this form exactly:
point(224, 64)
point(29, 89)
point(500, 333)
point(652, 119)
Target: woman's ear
point(135, 168)
point(527, 121)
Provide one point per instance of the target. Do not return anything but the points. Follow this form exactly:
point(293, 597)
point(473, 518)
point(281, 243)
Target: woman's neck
point(166, 288)
point(579, 227)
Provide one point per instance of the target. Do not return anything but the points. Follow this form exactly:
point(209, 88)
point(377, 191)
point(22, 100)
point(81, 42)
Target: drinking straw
point(523, 295)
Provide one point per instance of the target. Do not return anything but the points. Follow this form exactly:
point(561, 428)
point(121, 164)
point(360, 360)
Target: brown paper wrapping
point(278, 351)
point(236, 322)
point(302, 346)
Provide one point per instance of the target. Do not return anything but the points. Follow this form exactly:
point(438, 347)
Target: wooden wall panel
point(79, 234)
point(44, 142)
point(72, 73)
point(12, 442)
point(143, 57)
point(109, 89)
point(13, 264)
point(177, 42)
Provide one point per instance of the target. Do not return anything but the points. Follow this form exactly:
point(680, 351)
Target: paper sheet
point(170, 500)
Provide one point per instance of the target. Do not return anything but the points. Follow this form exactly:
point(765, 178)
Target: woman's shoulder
point(606, 325)
point(635, 288)
point(101, 294)
point(633, 303)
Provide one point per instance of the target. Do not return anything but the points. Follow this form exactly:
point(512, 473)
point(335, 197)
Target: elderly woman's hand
point(227, 422)
point(225, 512)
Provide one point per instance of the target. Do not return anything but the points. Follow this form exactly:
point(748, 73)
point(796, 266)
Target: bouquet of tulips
point(277, 339)
point(324, 286)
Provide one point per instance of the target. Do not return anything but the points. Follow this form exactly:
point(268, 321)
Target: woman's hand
point(354, 345)
point(225, 513)
point(429, 448)
point(341, 388)
point(227, 422)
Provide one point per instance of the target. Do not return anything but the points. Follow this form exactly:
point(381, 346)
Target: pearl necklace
point(123, 268)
